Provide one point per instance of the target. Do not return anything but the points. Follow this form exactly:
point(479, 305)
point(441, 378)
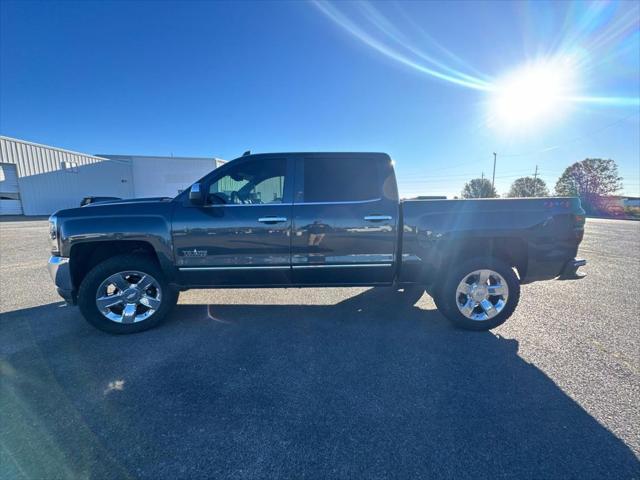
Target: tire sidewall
point(95, 277)
point(447, 296)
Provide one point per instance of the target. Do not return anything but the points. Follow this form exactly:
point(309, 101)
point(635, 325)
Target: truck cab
point(305, 220)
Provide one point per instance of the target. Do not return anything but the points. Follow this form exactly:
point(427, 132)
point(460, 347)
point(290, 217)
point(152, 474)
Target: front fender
point(147, 222)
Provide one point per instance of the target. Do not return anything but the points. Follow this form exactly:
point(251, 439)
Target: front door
point(241, 236)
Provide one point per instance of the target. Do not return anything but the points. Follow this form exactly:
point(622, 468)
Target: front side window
point(340, 179)
point(250, 182)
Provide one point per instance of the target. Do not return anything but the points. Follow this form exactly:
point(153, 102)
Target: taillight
point(578, 229)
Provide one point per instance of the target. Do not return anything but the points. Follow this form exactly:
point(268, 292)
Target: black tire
point(102, 271)
point(447, 298)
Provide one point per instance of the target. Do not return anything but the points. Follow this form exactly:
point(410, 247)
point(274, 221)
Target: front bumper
point(61, 276)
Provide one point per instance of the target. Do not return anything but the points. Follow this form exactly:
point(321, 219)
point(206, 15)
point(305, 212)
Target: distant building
point(430, 197)
point(39, 179)
point(164, 176)
point(614, 206)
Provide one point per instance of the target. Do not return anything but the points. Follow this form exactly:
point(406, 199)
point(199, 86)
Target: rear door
point(242, 235)
point(345, 220)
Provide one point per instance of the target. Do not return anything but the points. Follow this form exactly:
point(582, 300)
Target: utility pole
point(535, 186)
point(493, 178)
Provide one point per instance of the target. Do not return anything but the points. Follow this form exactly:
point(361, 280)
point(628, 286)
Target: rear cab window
point(337, 179)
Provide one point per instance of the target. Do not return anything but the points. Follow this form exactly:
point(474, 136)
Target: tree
point(590, 180)
point(479, 188)
point(528, 187)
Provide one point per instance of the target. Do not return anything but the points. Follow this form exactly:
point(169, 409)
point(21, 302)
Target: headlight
point(53, 234)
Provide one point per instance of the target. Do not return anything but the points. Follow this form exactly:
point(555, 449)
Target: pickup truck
point(310, 220)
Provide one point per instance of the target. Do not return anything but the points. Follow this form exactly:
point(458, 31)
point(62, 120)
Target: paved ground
point(324, 383)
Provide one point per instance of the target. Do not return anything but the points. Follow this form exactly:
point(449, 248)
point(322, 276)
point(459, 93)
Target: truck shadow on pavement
point(364, 388)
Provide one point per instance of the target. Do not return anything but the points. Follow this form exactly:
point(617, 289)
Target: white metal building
point(38, 179)
point(164, 176)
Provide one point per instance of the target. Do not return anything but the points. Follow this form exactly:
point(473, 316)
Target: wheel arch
point(511, 250)
point(84, 256)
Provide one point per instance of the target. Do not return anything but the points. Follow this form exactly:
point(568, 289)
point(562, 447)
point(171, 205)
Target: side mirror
point(216, 199)
point(195, 194)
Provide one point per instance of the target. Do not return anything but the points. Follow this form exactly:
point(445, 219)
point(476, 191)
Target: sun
point(532, 95)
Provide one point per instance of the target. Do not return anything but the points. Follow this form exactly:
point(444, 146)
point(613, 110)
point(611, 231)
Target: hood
point(119, 208)
point(129, 200)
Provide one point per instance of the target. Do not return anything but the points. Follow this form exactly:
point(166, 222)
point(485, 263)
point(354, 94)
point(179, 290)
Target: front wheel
point(126, 294)
point(479, 294)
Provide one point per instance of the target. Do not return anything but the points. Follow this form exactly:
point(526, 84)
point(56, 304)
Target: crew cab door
point(345, 220)
point(242, 234)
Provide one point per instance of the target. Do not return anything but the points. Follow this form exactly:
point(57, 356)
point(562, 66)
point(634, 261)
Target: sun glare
point(534, 94)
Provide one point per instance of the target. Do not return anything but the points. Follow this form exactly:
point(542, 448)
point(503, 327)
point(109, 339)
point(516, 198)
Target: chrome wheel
point(482, 295)
point(129, 297)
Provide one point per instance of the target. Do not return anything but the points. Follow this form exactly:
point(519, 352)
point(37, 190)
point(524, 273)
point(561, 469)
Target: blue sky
point(421, 81)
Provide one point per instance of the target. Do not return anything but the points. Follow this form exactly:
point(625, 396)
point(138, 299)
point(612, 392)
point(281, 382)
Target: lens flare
point(391, 45)
point(535, 93)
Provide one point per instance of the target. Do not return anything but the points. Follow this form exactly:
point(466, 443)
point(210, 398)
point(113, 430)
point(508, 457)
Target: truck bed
point(537, 233)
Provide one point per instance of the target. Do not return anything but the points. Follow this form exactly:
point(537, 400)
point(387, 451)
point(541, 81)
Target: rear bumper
point(570, 269)
point(61, 275)
point(548, 262)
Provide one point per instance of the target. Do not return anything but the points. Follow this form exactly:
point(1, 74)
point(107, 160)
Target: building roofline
point(102, 156)
point(156, 157)
point(344, 153)
point(42, 145)
point(316, 155)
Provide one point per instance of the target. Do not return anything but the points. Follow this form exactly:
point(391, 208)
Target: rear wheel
point(126, 294)
point(479, 294)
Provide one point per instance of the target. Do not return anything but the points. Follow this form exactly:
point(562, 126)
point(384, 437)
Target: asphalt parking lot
point(324, 383)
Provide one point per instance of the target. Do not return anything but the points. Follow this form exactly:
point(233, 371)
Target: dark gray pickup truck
point(309, 220)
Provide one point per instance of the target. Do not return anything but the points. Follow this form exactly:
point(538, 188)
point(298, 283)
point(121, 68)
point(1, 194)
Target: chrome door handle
point(377, 218)
point(272, 219)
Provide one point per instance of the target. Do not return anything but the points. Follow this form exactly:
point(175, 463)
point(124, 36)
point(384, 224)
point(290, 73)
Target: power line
point(458, 177)
point(586, 135)
point(465, 174)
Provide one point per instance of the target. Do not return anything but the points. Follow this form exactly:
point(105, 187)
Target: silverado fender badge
point(194, 253)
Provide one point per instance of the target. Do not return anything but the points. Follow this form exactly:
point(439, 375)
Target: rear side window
point(340, 179)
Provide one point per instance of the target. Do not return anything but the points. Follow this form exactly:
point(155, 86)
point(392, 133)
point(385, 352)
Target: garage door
point(9, 192)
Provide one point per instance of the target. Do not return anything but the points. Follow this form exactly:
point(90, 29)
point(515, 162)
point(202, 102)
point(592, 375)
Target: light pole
point(493, 178)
